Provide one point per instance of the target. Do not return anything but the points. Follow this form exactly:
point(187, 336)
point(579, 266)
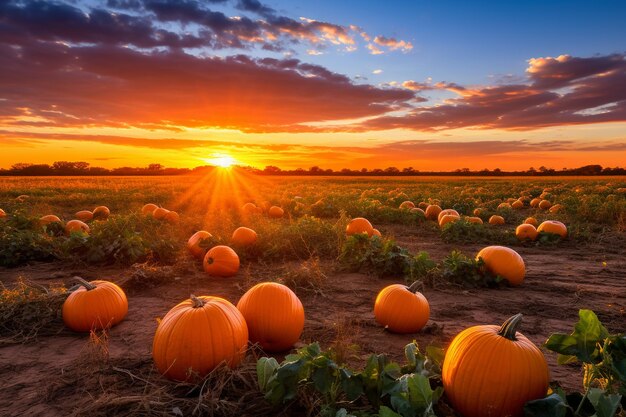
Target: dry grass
point(307, 277)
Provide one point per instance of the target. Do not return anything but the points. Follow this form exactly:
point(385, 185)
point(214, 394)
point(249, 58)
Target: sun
point(221, 160)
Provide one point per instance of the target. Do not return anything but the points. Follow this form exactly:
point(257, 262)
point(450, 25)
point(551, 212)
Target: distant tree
point(408, 170)
point(155, 167)
point(363, 170)
point(271, 169)
point(392, 170)
point(315, 170)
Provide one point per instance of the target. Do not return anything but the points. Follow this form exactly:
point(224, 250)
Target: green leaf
point(420, 393)
point(605, 404)
point(583, 342)
point(550, 406)
point(410, 352)
point(387, 412)
point(265, 369)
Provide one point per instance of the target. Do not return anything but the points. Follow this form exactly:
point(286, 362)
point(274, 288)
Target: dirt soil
point(57, 375)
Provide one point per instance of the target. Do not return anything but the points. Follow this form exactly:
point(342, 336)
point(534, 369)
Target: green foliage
point(379, 255)
point(23, 241)
point(460, 269)
point(383, 385)
point(463, 231)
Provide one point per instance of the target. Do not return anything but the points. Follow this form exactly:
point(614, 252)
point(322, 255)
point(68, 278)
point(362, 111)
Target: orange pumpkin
point(526, 231)
point(496, 220)
point(94, 305)
point(448, 218)
point(274, 315)
point(159, 213)
point(172, 217)
point(545, 205)
point(432, 212)
point(197, 335)
point(76, 226)
point(84, 215)
point(423, 205)
point(476, 220)
point(275, 212)
point(532, 220)
point(417, 210)
point(194, 244)
point(556, 208)
point(243, 236)
point(376, 232)
point(493, 371)
point(503, 206)
point(101, 213)
point(250, 208)
point(503, 261)
point(148, 209)
point(359, 225)
point(553, 226)
point(447, 212)
point(22, 198)
point(407, 205)
point(50, 218)
point(535, 202)
point(221, 261)
point(401, 309)
point(3, 214)
point(517, 205)
point(478, 212)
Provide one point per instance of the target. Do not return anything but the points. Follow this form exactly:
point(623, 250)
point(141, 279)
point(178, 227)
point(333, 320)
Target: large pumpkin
point(221, 261)
point(448, 218)
point(101, 213)
point(84, 215)
point(526, 231)
point(275, 212)
point(193, 244)
point(401, 309)
point(274, 315)
point(496, 220)
point(76, 226)
point(553, 226)
point(243, 236)
point(447, 212)
point(197, 335)
point(493, 371)
point(148, 209)
point(503, 261)
point(94, 305)
point(359, 225)
point(432, 212)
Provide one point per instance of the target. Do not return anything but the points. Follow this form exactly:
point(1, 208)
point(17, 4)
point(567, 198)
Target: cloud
point(393, 44)
point(377, 71)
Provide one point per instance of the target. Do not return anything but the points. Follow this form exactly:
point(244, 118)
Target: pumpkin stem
point(89, 286)
point(509, 327)
point(196, 302)
point(413, 287)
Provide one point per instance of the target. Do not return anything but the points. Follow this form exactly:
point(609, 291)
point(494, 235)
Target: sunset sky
point(436, 85)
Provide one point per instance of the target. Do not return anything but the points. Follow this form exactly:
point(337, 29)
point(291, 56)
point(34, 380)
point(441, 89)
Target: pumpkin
point(76, 226)
point(22, 198)
point(50, 218)
point(84, 215)
point(417, 210)
point(243, 236)
point(101, 213)
point(448, 218)
point(423, 205)
point(359, 225)
point(535, 202)
point(517, 205)
point(553, 226)
point(401, 309)
point(94, 305)
point(504, 206)
point(432, 212)
point(496, 220)
point(556, 208)
point(511, 200)
point(447, 212)
point(406, 205)
point(376, 232)
point(159, 213)
point(526, 231)
point(197, 335)
point(476, 220)
point(275, 212)
point(194, 242)
point(493, 371)
point(3, 214)
point(148, 209)
point(221, 261)
point(532, 220)
point(478, 212)
point(172, 217)
point(545, 205)
point(503, 261)
point(274, 315)
point(250, 208)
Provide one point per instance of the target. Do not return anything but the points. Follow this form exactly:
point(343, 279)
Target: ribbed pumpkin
point(84, 215)
point(553, 226)
point(532, 220)
point(193, 244)
point(496, 220)
point(359, 225)
point(406, 205)
point(274, 315)
point(50, 218)
point(76, 226)
point(535, 202)
point(275, 212)
point(376, 232)
point(476, 220)
point(448, 218)
point(545, 205)
point(148, 209)
point(526, 231)
point(197, 335)
point(503, 261)
point(101, 213)
point(221, 261)
point(172, 217)
point(517, 205)
point(159, 213)
point(447, 212)
point(432, 212)
point(401, 309)
point(94, 305)
point(493, 371)
point(243, 236)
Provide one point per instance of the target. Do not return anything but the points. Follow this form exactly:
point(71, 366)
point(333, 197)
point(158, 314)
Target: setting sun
point(221, 160)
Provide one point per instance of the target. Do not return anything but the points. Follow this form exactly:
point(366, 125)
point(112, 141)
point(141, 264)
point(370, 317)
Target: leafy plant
point(380, 255)
point(460, 269)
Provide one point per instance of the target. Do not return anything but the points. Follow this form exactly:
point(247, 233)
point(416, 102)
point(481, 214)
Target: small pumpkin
point(101, 213)
point(448, 218)
point(148, 209)
point(407, 205)
point(535, 202)
point(274, 314)
point(526, 231)
point(517, 204)
point(359, 225)
point(503, 261)
point(76, 226)
point(447, 212)
point(423, 205)
point(50, 218)
point(221, 261)
point(432, 212)
point(504, 206)
point(172, 217)
point(476, 220)
point(556, 208)
point(554, 227)
point(243, 236)
point(22, 198)
point(532, 220)
point(401, 309)
point(3, 214)
point(417, 210)
point(545, 205)
point(496, 220)
point(478, 212)
point(159, 213)
point(94, 305)
point(197, 335)
point(275, 212)
point(84, 215)
point(493, 371)
point(250, 208)
point(194, 243)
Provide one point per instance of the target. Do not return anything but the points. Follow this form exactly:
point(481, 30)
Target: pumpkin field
point(233, 294)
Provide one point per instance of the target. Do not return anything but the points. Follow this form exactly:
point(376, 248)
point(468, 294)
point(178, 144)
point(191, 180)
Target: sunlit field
point(50, 368)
